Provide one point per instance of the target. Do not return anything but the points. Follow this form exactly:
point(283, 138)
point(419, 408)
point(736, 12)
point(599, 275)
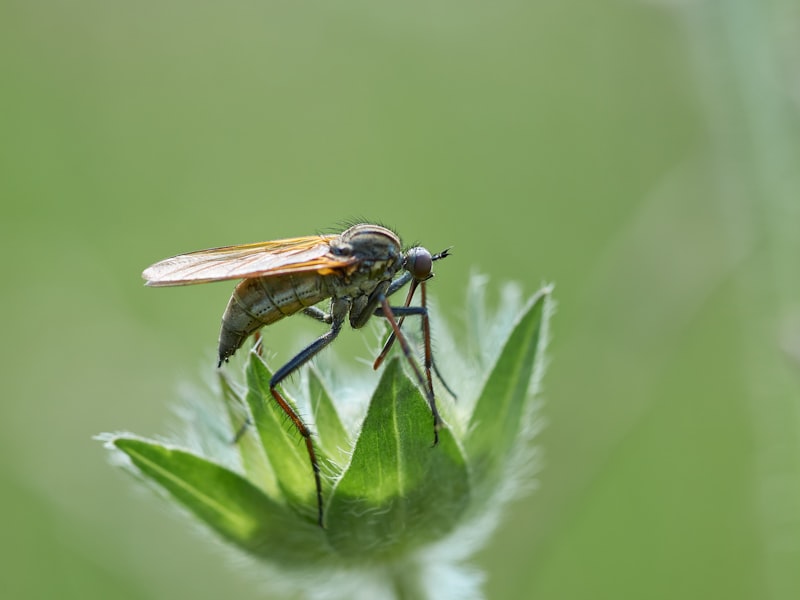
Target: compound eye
point(419, 263)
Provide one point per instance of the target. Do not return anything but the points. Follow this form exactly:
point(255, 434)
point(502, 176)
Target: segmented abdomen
point(261, 301)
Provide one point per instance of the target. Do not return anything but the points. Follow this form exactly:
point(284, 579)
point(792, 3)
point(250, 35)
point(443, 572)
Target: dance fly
point(357, 270)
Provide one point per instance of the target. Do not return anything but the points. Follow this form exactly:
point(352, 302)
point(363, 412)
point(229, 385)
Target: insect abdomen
point(261, 301)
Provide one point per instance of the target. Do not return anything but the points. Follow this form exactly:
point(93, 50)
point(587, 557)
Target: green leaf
point(399, 490)
point(497, 418)
point(281, 441)
point(225, 501)
point(254, 460)
point(332, 435)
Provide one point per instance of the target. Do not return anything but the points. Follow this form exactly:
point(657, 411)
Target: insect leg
point(258, 346)
point(319, 315)
point(338, 312)
point(396, 285)
point(390, 340)
point(393, 287)
point(388, 312)
point(426, 334)
point(403, 312)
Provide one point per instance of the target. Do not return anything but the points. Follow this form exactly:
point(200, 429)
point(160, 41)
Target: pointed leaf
point(225, 501)
point(497, 419)
point(399, 490)
point(331, 433)
point(282, 442)
point(251, 451)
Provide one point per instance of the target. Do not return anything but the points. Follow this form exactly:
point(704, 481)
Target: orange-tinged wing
point(292, 255)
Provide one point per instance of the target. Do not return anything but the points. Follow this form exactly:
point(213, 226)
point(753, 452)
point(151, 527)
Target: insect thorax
point(363, 279)
point(378, 255)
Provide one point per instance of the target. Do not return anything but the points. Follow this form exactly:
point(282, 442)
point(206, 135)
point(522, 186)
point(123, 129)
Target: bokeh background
point(642, 155)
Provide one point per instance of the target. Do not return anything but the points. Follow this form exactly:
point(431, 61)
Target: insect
point(358, 270)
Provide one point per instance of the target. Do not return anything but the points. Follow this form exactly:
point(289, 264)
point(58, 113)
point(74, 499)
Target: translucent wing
point(292, 255)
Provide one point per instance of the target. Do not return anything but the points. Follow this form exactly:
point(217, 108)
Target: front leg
point(388, 312)
point(398, 283)
point(403, 312)
point(318, 314)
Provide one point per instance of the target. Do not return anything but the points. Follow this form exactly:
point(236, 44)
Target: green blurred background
point(642, 155)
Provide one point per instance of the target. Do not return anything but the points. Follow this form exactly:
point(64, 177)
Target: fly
point(358, 270)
